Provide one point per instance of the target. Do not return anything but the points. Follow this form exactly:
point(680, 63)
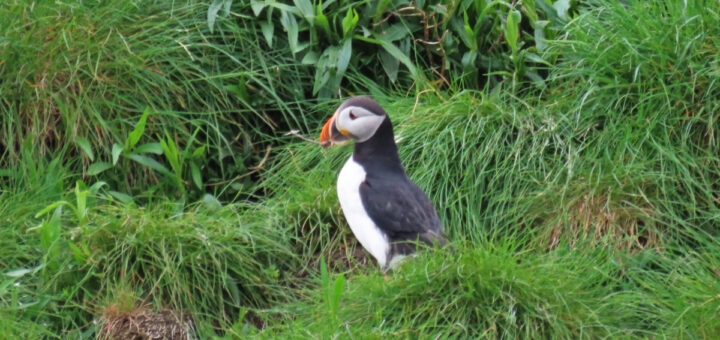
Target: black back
point(396, 204)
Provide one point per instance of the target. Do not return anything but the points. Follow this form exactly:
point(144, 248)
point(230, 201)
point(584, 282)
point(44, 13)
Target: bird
point(386, 211)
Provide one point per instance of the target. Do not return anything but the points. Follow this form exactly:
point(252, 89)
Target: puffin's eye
point(352, 115)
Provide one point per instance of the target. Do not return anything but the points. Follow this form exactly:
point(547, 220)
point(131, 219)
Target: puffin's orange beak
point(325, 137)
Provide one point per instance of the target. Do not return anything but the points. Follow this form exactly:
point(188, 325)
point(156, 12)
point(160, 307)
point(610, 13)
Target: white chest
point(365, 230)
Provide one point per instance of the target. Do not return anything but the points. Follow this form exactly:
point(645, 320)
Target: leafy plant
point(476, 43)
point(80, 105)
point(182, 163)
point(332, 290)
point(324, 36)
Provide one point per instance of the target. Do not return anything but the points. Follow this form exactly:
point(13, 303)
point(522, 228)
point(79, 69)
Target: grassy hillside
point(146, 178)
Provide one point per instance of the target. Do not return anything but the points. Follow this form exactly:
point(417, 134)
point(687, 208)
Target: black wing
point(402, 210)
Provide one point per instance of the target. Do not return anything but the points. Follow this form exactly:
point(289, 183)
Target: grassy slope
point(556, 256)
point(589, 211)
point(614, 170)
point(76, 78)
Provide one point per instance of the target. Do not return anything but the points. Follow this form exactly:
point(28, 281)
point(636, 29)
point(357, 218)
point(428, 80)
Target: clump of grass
point(644, 75)
point(498, 290)
point(20, 253)
point(500, 168)
point(494, 163)
point(679, 288)
point(205, 262)
point(499, 163)
point(482, 293)
point(648, 61)
point(543, 197)
point(76, 78)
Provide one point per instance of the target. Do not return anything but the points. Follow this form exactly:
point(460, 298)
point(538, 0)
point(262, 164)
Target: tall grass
point(528, 190)
point(77, 76)
point(589, 210)
point(647, 79)
point(211, 262)
point(497, 290)
point(609, 173)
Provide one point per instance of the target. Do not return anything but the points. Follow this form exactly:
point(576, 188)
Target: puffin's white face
point(351, 122)
point(357, 123)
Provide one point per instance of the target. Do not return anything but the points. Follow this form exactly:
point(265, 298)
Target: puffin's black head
point(358, 118)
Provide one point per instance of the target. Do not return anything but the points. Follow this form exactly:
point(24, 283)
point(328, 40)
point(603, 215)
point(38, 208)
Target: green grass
point(77, 77)
point(210, 260)
point(588, 210)
point(498, 290)
point(594, 239)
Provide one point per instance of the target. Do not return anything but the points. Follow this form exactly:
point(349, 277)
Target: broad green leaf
point(96, 187)
point(232, 286)
point(561, 8)
point(211, 201)
point(81, 194)
point(365, 32)
point(530, 10)
point(290, 26)
point(343, 57)
point(390, 64)
point(395, 32)
point(306, 9)
point(512, 29)
point(257, 6)
point(5, 284)
point(117, 149)
point(535, 78)
point(122, 197)
point(172, 155)
point(540, 42)
point(283, 7)
point(310, 58)
point(321, 20)
point(150, 163)
point(196, 176)
point(85, 147)
point(322, 76)
point(381, 8)
point(302, 46)
point(536, 59)
point(22, 272)
point(399, 55)
point(212, 13)
point(470, 38)
point(97, 168)
point(199, 152)
point(154, 148)
point(268, 29)
point(349, 22)
point(137, 132)
point(50, 234)
point(336, 293)
point(322, 70)
point(458, 27)
point(468, 60)
point(239, 90)
point(79, 254)
point(50, 207)
point(227, 5)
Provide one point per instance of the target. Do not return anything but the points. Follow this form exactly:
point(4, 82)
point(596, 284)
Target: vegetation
point(571, 149)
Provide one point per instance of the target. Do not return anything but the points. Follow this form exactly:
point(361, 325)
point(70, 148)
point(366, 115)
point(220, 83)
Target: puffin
point(386, 211)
